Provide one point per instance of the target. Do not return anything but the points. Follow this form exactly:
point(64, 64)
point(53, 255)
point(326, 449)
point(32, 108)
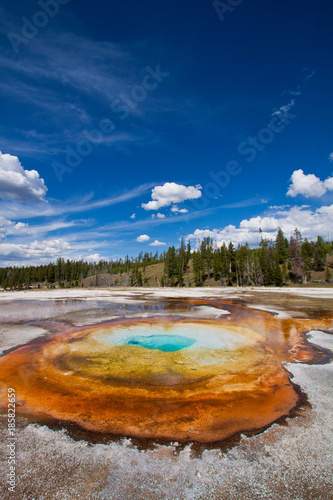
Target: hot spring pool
point(166, 343)
point(172, 336)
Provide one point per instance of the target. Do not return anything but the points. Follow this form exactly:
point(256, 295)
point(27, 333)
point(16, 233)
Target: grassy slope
point(154, 274)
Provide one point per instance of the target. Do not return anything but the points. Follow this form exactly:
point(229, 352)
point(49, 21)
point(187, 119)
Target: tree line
point(71, 273)
point(276, 262)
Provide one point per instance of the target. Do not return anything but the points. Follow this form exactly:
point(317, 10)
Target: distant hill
point(155, 272)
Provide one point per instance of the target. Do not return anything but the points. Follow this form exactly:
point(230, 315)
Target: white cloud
point(283, 111)
point(266, 224)
point(46, 250)
point(17, 183)
point(308, 77)
point(95, 257)
point(132, 216)
point(170, 192)
point(178, 210)
point(295, 93)
point(7, 227)
point(328, 183)
point(308, 185)
point(158, 215)
point(330, 157)
point(157, 243)
point(310, 222)
point(142, 238)
point(200, 234)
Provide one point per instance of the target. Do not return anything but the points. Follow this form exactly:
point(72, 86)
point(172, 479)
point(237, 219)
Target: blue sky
point(127, 125)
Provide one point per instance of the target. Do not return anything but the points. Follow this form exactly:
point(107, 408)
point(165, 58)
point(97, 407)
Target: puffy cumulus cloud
point(328, 183)
point(95, 257)
point(142, 238)
point(266, 224)
point(310, 222)
point(7, 227)
point(157, 243)
point(170, 192)
point(46, 250)
point(330, 157)
point(158, 215)
point(178, 210)
point(17, 183)
point(308, 185)
point(200, 234)
point(132, 216)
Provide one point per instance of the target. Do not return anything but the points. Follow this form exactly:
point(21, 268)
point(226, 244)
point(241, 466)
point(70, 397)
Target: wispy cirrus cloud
point(248, 202)
point(129, 227)
point(71, 82)
point(82, 204)
point(284, 110)
point(74, 63)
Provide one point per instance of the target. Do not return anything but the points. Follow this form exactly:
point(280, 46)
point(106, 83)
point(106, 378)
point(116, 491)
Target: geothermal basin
point(163, 375)
point(168, 394)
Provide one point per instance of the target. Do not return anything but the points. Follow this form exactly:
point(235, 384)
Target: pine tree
point(307, 253)
point(182, 256)
point(231, 262)
point(281, 246)
point(319, 255)
point(328, 275)
point(266, 263)
point(188, 251)
point(171, 266)
point(180, 277)
point(285, 273)
point(216, 266)
point(296, 258)
point(197, 268)
point(277, 273)
point(139, 278)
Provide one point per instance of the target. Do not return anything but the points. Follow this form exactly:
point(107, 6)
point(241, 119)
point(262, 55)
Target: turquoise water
point(166, 343)
point(174, 338)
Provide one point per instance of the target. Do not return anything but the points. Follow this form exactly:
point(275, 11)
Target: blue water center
point(166, 343)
